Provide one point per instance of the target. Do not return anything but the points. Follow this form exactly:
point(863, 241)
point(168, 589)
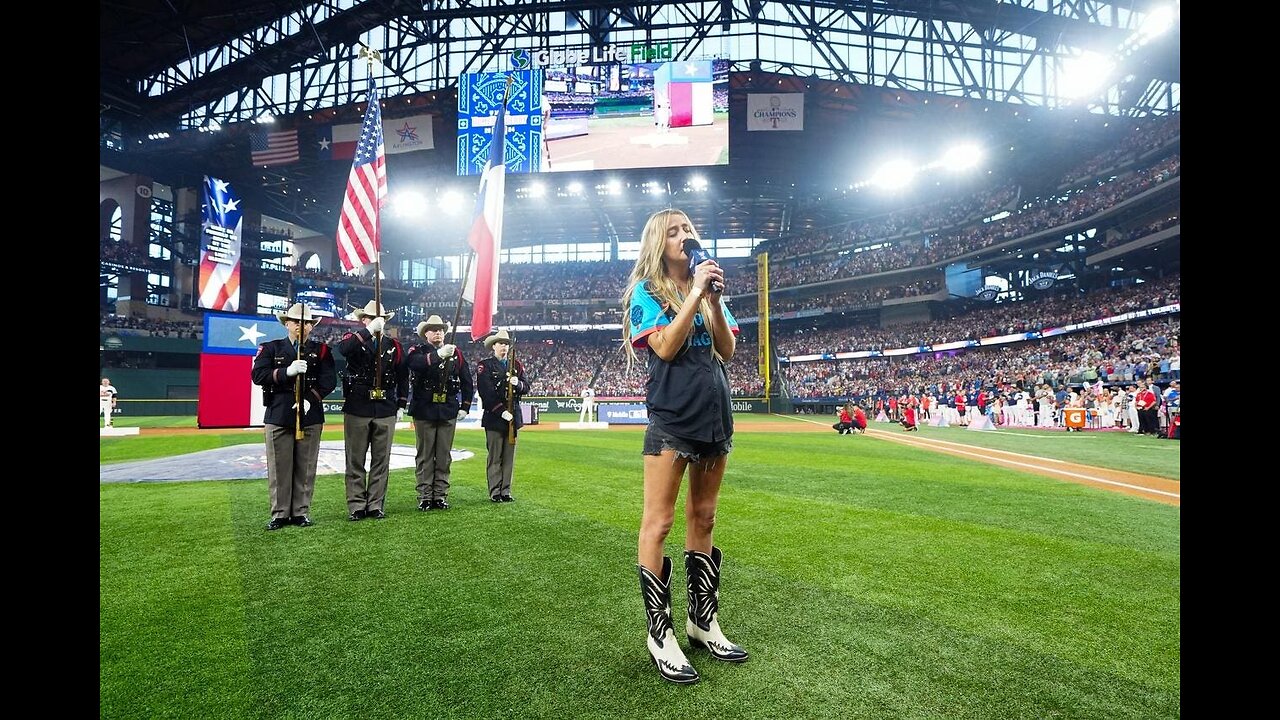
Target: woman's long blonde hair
point(651, 267)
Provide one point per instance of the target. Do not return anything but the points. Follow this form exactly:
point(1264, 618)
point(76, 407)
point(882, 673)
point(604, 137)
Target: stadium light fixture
point(409, 203)
point(894, 175)
point(575, 188)
point(962, 157)
point(697, 182)
point(451, 202)
point(1083, 74)
point(614, 187)
point(537, 189)
point(1157, 22)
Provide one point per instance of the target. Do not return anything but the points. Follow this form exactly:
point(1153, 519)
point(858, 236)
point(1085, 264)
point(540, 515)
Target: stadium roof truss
point(188, 64)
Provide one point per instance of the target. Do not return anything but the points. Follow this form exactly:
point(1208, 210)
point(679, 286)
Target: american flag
point(273, 148)
point(219, 283)
point(359, 228)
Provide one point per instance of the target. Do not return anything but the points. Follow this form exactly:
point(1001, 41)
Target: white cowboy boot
point(663, 648)
point(702, 572)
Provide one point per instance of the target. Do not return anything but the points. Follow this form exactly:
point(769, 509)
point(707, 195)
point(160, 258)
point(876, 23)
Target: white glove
point(297, 367)
point(446, 351)
point(506, 415)
point(514, 380)
point(462, 415)
point(400, 414)
point(375, 325)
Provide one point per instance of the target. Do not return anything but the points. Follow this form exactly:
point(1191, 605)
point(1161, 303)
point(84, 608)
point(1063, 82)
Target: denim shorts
point(657, 440)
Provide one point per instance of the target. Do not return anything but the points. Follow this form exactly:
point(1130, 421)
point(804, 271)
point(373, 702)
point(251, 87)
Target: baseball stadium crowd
point(948, 212)
point(1034, 216)
point(1148, 135)
point(1120, 354)
point(110, 251)
point(1070, 306)
point(142, 326)
point(856, 297)
point(1120, 238)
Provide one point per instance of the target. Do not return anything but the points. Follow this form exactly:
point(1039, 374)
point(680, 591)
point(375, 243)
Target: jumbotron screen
point(597, 116)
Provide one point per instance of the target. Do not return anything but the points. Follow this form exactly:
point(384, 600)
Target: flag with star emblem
point(408, 134)
point(337, 142)
point(485, 237)
point(273, 148)
point(359, 227)
point(683, 93)
point(219, 284)
point(400, 135)
point(227, 395)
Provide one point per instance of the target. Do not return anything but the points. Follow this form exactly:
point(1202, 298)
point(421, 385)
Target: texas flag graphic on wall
point(228, 397)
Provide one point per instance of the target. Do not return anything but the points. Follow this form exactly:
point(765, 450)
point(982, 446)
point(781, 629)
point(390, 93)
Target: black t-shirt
point(689, 396)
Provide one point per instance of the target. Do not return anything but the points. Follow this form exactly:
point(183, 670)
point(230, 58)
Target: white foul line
point(1015, 462)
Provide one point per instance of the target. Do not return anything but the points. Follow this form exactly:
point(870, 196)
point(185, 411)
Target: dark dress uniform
point(492, 382)
point(440, 389)
point(291, 463)
point(369, 424)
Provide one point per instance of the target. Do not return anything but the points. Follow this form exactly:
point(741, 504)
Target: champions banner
point(775, 111)
point(219, 285)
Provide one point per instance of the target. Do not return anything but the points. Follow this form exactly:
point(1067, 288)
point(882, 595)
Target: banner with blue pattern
point(479, 96)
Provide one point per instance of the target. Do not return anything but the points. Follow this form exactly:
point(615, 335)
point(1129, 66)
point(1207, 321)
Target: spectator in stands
point(296, 373)
point(678, 314)
point(376, 390)
point(106, 400)
point(440, 396)
point(501, 382)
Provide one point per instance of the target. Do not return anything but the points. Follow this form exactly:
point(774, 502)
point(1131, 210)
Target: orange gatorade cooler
point(1074, 418)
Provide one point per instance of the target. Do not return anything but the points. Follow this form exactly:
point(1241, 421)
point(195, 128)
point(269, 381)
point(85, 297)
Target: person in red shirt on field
point(845, 426)
point(859, 419)
point(960, 409)
point(1148, 423)
point(909, 420)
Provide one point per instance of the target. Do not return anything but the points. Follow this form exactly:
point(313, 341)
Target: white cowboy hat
point(500, 336)
point(435, 322)
point(297, 312)
point(370, 310)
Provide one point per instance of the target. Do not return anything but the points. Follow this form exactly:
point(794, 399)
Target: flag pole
point(297, 382)
point(377, 393)
point(511, 393)
point(457, 309)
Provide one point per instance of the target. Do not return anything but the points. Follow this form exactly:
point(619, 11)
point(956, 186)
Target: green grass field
point(867, 579)
point(1119, 451)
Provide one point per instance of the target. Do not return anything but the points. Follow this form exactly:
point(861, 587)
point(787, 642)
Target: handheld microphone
point(697, 254)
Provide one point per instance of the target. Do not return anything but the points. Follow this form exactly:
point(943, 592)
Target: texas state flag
point(683, 94)
point(337, 142)
point(228, 397)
